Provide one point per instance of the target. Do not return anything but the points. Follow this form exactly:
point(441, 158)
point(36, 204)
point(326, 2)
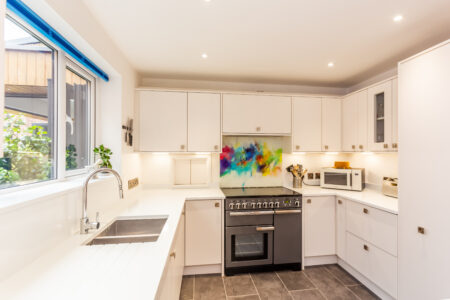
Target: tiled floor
point(315, 283)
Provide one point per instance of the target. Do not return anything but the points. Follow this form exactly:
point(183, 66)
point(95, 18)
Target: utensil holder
point(297, 183)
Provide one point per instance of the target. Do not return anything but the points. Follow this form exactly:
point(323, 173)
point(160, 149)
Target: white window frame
point(60, 62)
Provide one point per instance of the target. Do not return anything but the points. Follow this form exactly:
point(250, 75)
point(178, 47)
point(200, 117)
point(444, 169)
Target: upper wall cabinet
point(204, 122)
point(394, 114)
point(331, 124)
point(163, 121)
point(380, 117)
point(354, 122)
point(307, 124)
point(256, 114)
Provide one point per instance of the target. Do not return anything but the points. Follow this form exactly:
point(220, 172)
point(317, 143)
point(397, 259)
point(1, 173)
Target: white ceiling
point(276, 41)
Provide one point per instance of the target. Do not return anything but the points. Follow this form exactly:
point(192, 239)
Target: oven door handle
point(251, 213)
point(265, 228)
point(288, 211)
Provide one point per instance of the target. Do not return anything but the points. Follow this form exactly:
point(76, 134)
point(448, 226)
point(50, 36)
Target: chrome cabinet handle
point(339, 201)
point(288, 211)
point(173, 254)
point(251, 213)
point(421, 230)
point(258, 129)
point(182, 147)
point(366, 247)
point(308, 201)
point(216, 147)
point(366, 211)
point(361, 147)
point(386, 146)
point(326, 147)
point(353, 147)
point(217, 204)
point(297, 147)
point(265, 228)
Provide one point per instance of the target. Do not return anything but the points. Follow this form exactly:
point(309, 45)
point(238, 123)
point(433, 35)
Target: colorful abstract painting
point(250, 159)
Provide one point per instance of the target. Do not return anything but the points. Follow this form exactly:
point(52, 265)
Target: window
point(33, 144)
point(78, 115)
point(29, 135)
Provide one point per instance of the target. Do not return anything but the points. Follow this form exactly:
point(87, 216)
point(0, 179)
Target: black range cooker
point(263, 229)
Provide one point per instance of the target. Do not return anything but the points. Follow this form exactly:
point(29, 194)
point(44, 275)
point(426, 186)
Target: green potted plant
point(105, 155)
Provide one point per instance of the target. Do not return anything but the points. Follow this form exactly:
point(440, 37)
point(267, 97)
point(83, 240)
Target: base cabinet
point(340, 228)
point(203, 232)
point(170, 285)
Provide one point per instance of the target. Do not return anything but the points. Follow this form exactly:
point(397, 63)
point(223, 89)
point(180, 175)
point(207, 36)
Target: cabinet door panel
point(395, 114)
point(361, 128)
point(307, 124)
point(340, 228)
point(380, 117)
point(163, 121)
point(350, 123)
point(331, 124)
point(204, 122)
point(320, 226)
point(203, 232)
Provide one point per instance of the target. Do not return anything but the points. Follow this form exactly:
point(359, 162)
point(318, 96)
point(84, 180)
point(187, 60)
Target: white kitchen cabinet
point(203, 232)
point(354, 122)
point(424, 224)
point(331, 124)
point(307, 124)
point(394, 114)
point(340, 228)
point(377, 265)
point(163, 121)
point(256, 114)
point(380, 117)
point(170, 284)
point(204, 122)
point(320, 226)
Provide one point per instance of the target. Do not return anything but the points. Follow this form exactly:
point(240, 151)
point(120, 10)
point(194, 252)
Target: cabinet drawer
point(373, 225)
point(375, 264)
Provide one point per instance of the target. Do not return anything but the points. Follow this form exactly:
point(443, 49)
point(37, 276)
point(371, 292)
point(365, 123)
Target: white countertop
point(370, 197)
point(121, 271)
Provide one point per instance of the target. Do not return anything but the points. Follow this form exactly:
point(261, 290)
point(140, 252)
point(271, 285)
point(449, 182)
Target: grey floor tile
point(363, 293)
point(307, 295)
point(295, 280)
point(249, 297)
point(239, 285)
point(187, 288)
point(342, 275)
point(332, 288)
point(207, 287)
point(270, 286)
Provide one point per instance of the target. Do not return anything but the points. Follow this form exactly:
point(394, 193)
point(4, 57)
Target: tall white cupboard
point(424, 204)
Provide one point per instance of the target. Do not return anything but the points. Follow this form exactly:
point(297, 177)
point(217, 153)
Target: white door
point(340, 228)
point(350, 123)
point(380, 117)
point(331, 124)
point(307, 124)
point(163, 121)
point(424, 123)
point(320, 226)
point(203, 232)
point(256, 114)
point(204, 122)
point(361, 128)
point(395, 114)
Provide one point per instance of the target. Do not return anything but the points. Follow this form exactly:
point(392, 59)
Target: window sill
point(33, 194)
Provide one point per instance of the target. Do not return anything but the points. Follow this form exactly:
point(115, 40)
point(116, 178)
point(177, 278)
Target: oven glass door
point(338, 180)
point(249, 246)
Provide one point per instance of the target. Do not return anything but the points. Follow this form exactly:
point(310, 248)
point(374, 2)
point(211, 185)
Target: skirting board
point(320, 260)
point(369, 284)
point(205, 269)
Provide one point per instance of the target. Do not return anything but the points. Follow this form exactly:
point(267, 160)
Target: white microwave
point(344, 179)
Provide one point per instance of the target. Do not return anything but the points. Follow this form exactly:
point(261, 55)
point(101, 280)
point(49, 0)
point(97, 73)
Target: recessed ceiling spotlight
point(204, 55)
point(398, 18)
point(331, 64)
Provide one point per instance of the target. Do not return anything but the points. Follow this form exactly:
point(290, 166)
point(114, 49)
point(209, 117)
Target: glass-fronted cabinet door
point(380, 117)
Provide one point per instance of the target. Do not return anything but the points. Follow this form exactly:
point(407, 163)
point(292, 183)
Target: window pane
point(77, 121)
point(28, 129)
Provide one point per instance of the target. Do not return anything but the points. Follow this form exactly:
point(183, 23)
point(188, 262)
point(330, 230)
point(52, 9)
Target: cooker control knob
point(238, 205)
point(259, 204)
point(254, 205)
point(265, 204)
point(277, 204)
point(297, 203)
point(271, 204)
point(244, 205)
point(231, 205)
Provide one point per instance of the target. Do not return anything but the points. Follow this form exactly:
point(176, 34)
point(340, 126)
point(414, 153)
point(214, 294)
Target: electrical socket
point(310, 175)
point(132, 183)
point(317, 176)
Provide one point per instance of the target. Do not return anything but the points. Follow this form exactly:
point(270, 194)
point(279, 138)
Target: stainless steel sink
point(131, 230)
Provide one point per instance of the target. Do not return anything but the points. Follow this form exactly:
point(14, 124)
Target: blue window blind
point(24, 12)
